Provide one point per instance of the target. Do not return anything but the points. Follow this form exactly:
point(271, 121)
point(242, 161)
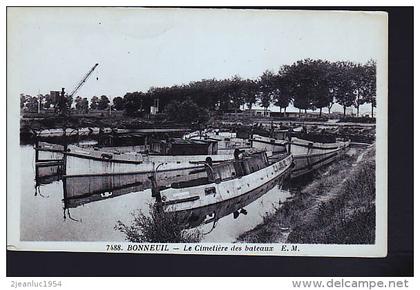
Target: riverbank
point(118, 121)
point(83, 128)
point(51, 129)
point(337, 207)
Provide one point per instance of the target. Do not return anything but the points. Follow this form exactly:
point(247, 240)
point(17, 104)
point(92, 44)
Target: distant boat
point(230, 140)
point(59, 132)
point(309, 156)
point(185, 155)
point(224, 181)
point(100, 161)
point(225, 140)
point(269, 144)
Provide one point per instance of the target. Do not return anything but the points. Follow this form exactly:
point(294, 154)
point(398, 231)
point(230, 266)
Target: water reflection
point(47, 174)
point(235, 206)
point(48, 171)
point(86, 208)
point(81, 189)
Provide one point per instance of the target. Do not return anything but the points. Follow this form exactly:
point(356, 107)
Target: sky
point(137, 48)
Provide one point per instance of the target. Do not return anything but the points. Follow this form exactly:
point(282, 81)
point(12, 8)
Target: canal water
point(43, 216)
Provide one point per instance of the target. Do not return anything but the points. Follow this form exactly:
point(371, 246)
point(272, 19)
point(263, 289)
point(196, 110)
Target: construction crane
point(80, 84)
point(61, 106)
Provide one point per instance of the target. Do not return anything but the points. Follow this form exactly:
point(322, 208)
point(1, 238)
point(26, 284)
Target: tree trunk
point(357, 102)
point(372, 111)
point(329, 111)
point(284, 112)
point(320, 112)
point(344, 111)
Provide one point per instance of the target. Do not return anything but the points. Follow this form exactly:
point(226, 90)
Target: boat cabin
point(236, 168)
point(184, 147)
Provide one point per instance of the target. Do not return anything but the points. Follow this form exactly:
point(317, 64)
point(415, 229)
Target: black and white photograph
point(197, 131)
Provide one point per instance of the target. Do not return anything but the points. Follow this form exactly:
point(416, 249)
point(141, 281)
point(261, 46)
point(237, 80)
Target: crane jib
point(83, 80)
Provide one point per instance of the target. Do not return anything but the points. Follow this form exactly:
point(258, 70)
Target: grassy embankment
point(338, 207)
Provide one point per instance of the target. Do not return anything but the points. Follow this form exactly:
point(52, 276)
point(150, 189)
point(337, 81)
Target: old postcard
point(197, 131)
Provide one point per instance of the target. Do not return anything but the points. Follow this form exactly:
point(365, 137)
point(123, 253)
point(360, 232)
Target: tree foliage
point(345, 85)
point(118, 103)
point(81, 104)
point(307, 84)
point(94, 103)
point(133, 103)
point(186, 111)
point(103, 103)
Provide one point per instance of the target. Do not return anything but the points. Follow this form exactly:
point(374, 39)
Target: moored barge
point(224, 181)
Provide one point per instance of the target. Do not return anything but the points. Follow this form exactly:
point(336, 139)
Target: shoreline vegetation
point(338, 207)
point(156, 227)
point(306, 84)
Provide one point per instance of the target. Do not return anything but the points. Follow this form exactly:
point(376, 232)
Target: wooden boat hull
point(309, 156)
point(48, 151)
point(181, 199)
point(212, 213)
point(90, 162)
point(268, 144)
point(225, 140)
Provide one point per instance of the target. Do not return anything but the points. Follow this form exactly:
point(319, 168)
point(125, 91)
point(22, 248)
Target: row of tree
point(81, 105)
point(307, 84)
